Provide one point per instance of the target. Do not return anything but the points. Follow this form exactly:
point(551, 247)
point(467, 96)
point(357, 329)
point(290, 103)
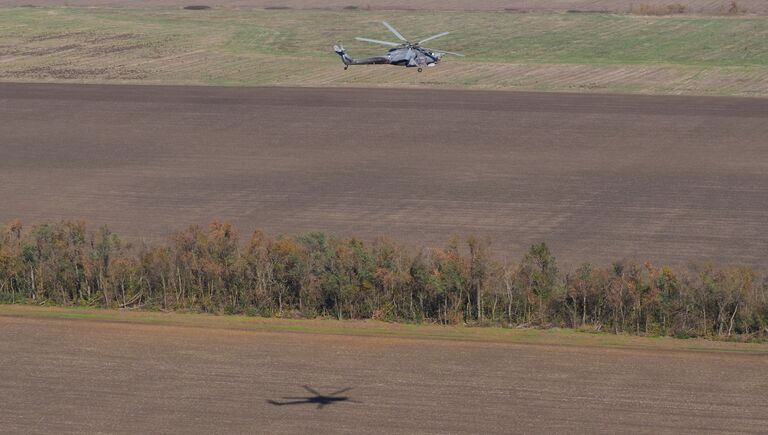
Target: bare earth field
point(78, 376)
point(620, 6)
point(599, 178)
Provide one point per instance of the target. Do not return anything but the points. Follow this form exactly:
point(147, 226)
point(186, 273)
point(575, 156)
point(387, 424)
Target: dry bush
point(658, 10)
point(735, 9)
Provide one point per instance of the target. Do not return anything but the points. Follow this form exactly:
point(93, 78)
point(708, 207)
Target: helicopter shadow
point(321, 400)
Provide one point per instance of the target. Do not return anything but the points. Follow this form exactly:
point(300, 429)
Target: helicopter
point(405, 53)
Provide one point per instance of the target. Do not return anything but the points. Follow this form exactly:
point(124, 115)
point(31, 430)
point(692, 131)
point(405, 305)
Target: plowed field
point(621, 6)
point(65, 376)
point(598, 177)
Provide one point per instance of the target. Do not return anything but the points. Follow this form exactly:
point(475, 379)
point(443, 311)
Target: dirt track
point(621, 6)
point(90, 377)
point(597, 177)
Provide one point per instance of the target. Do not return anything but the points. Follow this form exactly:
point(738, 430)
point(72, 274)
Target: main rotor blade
point(393, 30)
point(439, 35)
point(443, 51)
point(311, 390)
point(376, 41)
point(343, 390)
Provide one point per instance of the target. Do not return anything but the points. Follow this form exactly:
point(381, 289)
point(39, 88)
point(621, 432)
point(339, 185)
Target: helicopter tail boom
point(350, 61)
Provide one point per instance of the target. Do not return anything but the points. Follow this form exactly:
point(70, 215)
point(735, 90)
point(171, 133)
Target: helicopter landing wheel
point(345, 67)
point(420, 70)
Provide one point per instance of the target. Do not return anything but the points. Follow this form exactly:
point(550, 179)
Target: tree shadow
point(320, 399)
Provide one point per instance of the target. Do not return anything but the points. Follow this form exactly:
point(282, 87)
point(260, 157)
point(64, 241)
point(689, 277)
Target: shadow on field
point(320, 399)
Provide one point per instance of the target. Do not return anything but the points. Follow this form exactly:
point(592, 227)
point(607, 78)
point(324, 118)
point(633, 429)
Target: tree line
point(315, 274)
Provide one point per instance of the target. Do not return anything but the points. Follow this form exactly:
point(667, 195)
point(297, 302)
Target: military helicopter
point(404, 53)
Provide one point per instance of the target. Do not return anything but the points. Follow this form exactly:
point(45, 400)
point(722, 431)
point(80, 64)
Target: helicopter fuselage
point(412, 56)
point(409, 56)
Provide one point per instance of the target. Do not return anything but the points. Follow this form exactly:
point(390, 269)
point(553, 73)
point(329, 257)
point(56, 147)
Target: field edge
point(380, 329)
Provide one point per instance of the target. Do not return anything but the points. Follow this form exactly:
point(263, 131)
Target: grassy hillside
point(551, 51)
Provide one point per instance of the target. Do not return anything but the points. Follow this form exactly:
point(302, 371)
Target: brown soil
point(598, 177)
point(621, 6)
point(94, 377)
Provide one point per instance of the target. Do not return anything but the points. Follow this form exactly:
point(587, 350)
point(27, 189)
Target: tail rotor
point(339, 49)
